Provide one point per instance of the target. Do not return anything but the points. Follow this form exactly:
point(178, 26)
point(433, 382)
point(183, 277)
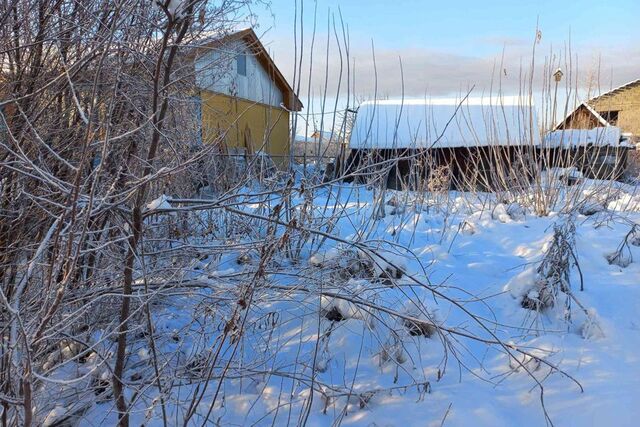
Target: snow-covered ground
point(350, 316)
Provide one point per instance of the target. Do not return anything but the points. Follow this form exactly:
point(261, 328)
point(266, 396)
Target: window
point(610, 116)
point(241, 64)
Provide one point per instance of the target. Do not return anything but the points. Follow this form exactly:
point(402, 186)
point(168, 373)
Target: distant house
point(245, 99)
point(473, 143)
point(320, 144)
point(602, 130)
point(324, 136)
point(618, 107)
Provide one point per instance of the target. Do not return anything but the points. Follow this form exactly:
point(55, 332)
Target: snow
point(323, 257)
point(445, 122)
point(161, 202)
point(628, 202)
point(609, 136)
point(175, 8)
point(473, 254)
point(551, 177)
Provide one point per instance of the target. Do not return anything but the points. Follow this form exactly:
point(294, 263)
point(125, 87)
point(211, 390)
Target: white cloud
point(437, 72)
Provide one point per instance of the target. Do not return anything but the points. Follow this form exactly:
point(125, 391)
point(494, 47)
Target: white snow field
point(351, 315)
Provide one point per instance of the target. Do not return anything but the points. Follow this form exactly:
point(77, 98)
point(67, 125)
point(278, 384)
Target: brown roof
point(291, 100)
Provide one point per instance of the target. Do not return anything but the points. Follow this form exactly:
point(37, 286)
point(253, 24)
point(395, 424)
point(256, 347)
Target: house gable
point(238, 65)
point(233, 70)
point(583, 117)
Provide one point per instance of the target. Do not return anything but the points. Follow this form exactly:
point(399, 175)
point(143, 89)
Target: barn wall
point(242, 121)
point(463, 168)
point(594, 162)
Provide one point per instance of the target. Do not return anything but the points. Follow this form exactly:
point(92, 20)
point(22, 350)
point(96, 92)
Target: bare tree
point(104, 229)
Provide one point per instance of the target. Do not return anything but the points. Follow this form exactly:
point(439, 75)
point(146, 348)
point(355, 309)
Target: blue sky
point(448, 46)
point(466, 26)
point(471, 28)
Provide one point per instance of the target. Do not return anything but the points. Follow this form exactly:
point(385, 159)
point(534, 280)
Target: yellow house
point(245, 99)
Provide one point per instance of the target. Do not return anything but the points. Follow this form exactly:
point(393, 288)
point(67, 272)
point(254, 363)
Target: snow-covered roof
point(590, 110)
point(616, 89)
point(445, 122)
point(597, 115)
point(609, 136)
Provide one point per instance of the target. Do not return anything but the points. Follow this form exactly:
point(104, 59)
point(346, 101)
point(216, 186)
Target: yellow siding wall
point(268, 126)
point(627, 102)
